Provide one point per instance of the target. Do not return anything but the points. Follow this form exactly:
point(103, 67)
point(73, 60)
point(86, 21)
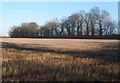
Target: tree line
point(96, 22)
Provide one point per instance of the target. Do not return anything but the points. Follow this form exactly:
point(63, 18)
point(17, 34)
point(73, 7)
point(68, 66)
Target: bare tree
point(109, 27)
point(103, 15)
point(80, 21)
point(87, 22)
point(72, 20)
point(94, 12)
point(62, 27)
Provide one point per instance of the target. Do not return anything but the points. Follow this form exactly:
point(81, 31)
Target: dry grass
point(59, 59)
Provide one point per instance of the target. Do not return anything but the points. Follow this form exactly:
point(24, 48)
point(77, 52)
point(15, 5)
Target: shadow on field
point(108, 53)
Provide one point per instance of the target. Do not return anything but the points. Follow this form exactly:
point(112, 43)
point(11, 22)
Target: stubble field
point(27, 59)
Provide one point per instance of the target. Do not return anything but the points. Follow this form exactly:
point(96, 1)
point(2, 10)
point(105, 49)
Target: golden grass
point(59, 59)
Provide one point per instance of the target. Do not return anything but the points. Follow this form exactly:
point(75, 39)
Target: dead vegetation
point(59, 60)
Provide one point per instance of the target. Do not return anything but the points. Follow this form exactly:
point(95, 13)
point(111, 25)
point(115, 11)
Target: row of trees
point(96, 22)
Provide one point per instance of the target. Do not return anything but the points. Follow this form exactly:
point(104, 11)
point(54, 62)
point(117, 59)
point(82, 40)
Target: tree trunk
point(62, 29)
point(92, 28)
point(87, 29)
point(100, 29)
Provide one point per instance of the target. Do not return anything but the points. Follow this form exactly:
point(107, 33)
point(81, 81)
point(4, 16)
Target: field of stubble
point(25, 59)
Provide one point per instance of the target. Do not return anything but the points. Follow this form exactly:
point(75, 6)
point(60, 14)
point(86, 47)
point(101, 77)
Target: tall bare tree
point(94, 12)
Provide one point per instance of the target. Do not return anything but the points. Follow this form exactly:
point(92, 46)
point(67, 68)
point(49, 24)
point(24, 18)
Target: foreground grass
point(41, 63)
